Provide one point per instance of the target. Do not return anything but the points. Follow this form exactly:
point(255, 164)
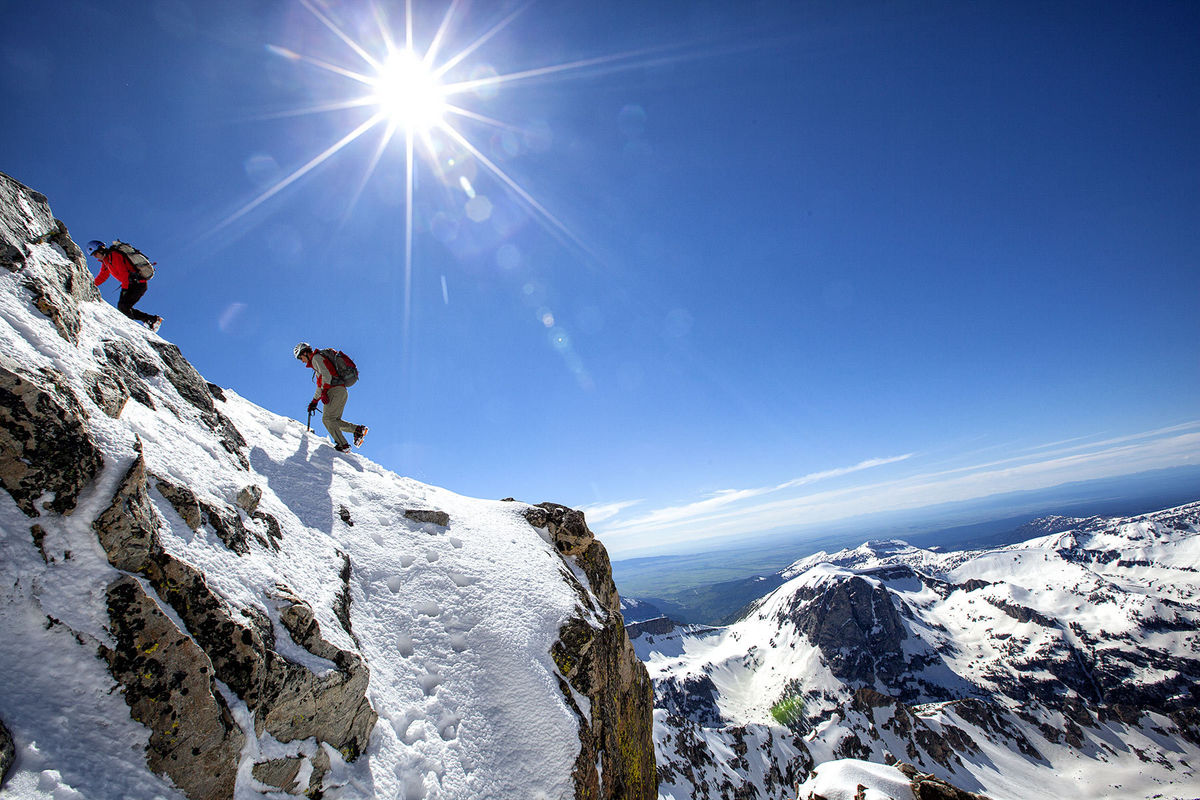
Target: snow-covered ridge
point(199, 598)
point(1065, 665)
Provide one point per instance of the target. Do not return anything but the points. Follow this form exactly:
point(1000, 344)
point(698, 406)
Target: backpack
point(143, 267)
point(347, 371)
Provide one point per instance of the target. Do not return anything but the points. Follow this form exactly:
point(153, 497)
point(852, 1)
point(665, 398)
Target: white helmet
point(301, 349)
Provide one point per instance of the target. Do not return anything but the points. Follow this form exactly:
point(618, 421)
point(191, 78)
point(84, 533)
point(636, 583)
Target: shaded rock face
point(595, 657)
point(195, 390)
point(45, 447)
point(237, 647)
point(856, 627)
point(26, 224)
point(169, 687)
point(693, 697)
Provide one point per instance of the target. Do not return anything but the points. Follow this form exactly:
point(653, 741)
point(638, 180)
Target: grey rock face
point(595, 657)
point(194, 389)
point(45, 446)
point(168, 685)
point(107, 391)
point(184, 502)
point(290, 701)
point(856, 627)
point(57, 285)
point(125, 366)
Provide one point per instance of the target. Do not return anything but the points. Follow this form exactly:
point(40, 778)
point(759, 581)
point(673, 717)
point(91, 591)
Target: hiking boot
point(360, 433)
point(156, 324)
point(341, 448)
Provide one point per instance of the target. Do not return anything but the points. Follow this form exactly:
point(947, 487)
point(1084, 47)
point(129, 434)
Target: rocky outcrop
point(929, 787)
point(169, 687)
point(46, 451)
point(856, 627)
point(56, 286)
point(596, 659)
point(237, 647)
point(195, 390)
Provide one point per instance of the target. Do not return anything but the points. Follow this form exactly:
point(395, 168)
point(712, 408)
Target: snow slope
point(1067, 665)
point(456, 622)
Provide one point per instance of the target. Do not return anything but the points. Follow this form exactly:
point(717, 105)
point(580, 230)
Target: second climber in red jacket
point(132, 285)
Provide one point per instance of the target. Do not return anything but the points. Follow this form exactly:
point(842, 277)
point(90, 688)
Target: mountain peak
point(203, 599)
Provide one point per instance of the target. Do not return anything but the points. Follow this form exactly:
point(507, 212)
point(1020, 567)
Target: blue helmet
point(94, 245)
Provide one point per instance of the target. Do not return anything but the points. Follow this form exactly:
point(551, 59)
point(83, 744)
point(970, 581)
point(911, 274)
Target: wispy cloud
point(734, 512)
point(602, 511)
point(703, 508)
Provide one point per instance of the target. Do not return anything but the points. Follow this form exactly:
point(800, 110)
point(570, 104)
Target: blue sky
point(765, 264)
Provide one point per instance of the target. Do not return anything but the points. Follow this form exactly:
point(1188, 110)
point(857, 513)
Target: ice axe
point(308, 422)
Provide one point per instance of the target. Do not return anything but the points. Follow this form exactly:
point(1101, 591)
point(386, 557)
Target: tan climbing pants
point(332, 417)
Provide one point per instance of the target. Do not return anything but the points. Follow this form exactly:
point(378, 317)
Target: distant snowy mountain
point(200, 599)
point(1064, 666)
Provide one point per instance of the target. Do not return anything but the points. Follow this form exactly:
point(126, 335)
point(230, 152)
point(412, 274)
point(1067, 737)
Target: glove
point(312, 406)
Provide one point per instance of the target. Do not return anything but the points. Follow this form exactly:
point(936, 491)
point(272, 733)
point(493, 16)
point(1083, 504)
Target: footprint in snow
point(456, 542)
point(429, 683)
point(394, 583)
point(458, 642)
point(448, 727)
point(404, 645)
point(407, 561)
point(432, 555)
point(429, 608)
point(461, 580)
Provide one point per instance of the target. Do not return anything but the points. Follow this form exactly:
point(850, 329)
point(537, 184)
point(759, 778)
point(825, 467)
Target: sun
point(408, 93)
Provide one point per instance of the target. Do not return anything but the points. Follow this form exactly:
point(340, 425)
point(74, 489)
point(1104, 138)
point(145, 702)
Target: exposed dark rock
point(659, 626)
point(341, 603)
point(344, 516)
point(567, 527)
point(106, 391)
point(693, 697)
point(194, 389)
point(39, 541)
point(597, 659)
point(45, 446)
point(128, 366)
point(274, 529)
point(12, 255)
point(229, 527)
point(856, 627)
point(8, 753)
point(217, 392)
point(168, 685)
point(57, 285)
point(184, 502)
point(290, 701)
point(427, 515)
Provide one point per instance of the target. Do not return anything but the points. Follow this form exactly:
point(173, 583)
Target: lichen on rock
point(45, 445)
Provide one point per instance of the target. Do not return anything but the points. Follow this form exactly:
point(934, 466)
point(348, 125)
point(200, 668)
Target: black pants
point(129, 297)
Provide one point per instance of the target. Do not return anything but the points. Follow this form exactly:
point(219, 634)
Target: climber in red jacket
point(133, 286)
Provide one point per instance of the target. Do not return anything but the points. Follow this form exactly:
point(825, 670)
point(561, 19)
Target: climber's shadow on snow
point(303, 480)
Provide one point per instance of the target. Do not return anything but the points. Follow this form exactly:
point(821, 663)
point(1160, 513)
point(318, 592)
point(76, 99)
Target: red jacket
point(117, 265)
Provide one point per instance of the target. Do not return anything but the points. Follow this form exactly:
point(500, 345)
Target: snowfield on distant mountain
point(1064, 666)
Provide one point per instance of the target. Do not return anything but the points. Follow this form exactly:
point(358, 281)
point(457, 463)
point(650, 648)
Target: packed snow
point(455, 622)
